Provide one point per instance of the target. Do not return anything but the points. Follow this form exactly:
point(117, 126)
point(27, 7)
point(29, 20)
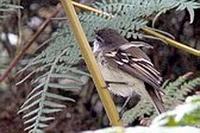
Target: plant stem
point(173, 42)
point(91, 63)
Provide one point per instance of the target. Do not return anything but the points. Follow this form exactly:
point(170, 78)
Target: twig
point(173, 42)
point(28, 44)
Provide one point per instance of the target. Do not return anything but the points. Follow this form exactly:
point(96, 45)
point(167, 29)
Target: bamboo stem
point(85, 7)
point(173, 42)
point(91, 63)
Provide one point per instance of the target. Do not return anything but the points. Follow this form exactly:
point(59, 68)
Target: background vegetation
point(52, 70)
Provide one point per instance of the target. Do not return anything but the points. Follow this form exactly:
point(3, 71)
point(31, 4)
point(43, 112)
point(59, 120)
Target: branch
point(173, 42)
point(28, 44)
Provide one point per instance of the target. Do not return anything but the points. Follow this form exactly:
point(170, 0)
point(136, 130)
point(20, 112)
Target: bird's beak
point(95, 46)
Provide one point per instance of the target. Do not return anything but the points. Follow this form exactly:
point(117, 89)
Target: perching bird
point(125, 67)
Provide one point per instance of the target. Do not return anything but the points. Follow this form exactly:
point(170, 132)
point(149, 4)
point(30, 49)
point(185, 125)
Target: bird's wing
point(136, 63)
point(116, 79)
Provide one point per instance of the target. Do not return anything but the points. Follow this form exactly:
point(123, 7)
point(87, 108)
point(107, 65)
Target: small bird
point(125, 67)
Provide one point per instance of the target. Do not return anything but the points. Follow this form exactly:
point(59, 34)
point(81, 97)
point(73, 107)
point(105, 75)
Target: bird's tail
point(157, 100)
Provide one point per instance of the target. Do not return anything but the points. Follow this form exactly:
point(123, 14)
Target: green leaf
point(29, 106)
point(32, 97)
point(31, 113)
point(53, 104)
point(59, 97)
point(30, 127)
point(35, 89)
point(48, 111)
point(67, 87)
point(44, 119)
point(191, 12)
point(182, 115)
point(42, 125)
point(31, 120)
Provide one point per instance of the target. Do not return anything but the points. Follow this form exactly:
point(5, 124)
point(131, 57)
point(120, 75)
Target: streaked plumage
point(121, 61)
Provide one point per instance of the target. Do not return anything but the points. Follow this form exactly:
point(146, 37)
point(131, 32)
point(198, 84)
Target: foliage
point(139, 129)
point(3, 64)
point(180, 120)
point(6, 6)
point(61, 59)
point(55, 66)
point(183, 115)
point(129, 16)
point(175, 93)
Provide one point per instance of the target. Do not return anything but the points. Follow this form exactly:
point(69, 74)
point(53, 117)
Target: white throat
point(95, 46)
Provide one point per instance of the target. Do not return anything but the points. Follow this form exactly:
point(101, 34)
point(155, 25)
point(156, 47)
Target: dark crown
point(110, 36)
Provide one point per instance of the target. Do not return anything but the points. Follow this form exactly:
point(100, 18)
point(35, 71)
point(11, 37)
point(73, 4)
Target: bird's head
point(107, 39)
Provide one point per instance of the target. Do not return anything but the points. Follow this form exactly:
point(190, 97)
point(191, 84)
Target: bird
point(126, 67)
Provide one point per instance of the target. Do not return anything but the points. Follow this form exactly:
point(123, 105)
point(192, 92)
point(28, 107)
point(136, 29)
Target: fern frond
point(144, 107)
point(177, 90)
point(129, 16)
point(175, 93)
point(6, 6)
point(186, 114)
point(41, 101)
point(191, 84)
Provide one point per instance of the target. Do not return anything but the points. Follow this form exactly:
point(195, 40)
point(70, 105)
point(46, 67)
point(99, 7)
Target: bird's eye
point(99, 39)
